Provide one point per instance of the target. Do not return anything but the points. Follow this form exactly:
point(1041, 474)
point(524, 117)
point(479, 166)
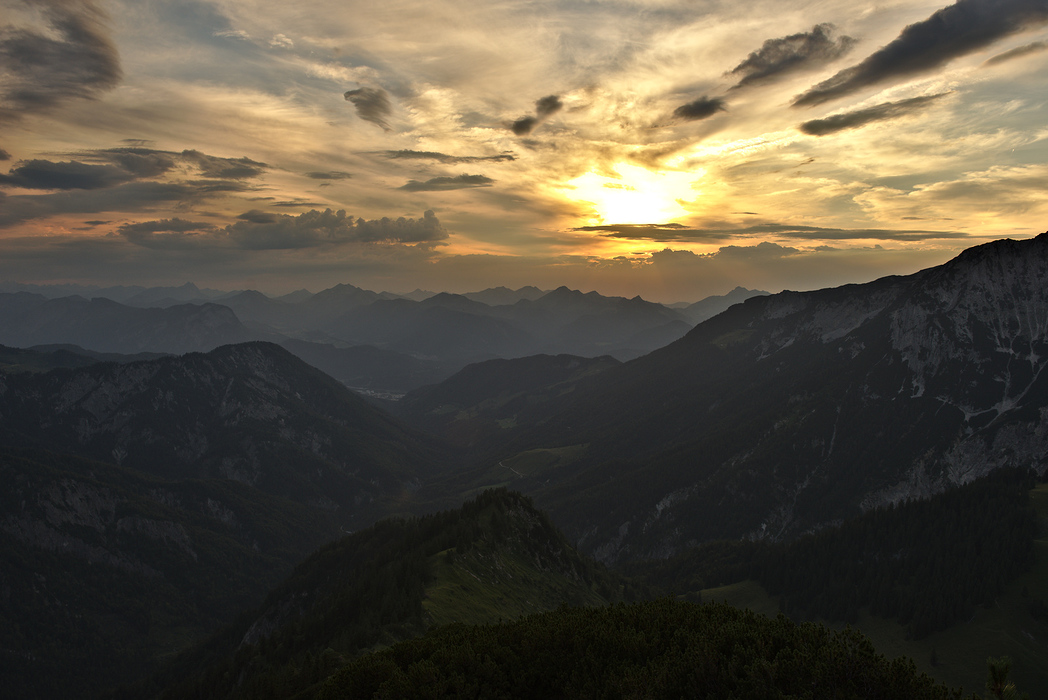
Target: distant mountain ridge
point(445, 331)
point(103, 325)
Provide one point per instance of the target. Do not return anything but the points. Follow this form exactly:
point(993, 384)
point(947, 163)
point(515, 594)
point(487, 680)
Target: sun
point(636, 196)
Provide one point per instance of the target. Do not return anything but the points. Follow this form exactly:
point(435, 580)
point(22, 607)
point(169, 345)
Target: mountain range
point(381, 343)
point(791, 411)
point(154, 499)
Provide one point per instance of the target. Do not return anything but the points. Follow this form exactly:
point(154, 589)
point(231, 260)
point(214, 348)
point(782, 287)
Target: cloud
point(679, 232)
point(655, 232)
point(545, 107)
point(166, 234)
point(72, 175)
point(954, 31)
point(701, 108)
point(103, 168)
point(75, 59)
point(445, 158)
point(762, 251)
point(372, 105)
point(548, 105)
point(442, 184)
point(281, 41)
point(257, 216)
point(258, 230)
point(131, 196)
point(4, 155)
point(1035, 47)
point(524, 125)
point(329, 175)
point(862, 117)
point(224, 168)
point(791, 53)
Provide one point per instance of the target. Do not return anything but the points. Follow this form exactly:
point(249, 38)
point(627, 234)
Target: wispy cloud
point(445, 158)
point(76, 58)
point(952, 32)
point(1018, 52)
point(328, 175)
point(862, 117)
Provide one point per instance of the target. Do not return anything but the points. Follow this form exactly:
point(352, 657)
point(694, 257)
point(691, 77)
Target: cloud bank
point(258, 230)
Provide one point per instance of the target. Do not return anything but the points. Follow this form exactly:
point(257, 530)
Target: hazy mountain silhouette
point(103, 325)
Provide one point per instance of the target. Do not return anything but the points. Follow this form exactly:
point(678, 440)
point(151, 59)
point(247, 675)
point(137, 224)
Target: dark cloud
point(329, 175)
point(224, 168)
point(293, 203)
point(524, 125)
point(442, 184)
point(257, 216)
point(954, 31)
point(1035, 47)
point(862, 117)
point(548, 105)
point(701, 108)
point(76, 59)
point(4, 155)
point(545, 107)
point(678, 232)
point(131, 196)
point(72, 175)
point(96, 222)
point(445, 158)
point(791, 53)
point(142, 162)
point(372, 105)
point(261, 231)
point(108, 167)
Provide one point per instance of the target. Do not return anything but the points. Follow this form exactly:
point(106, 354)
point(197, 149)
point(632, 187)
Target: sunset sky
point(672, 149)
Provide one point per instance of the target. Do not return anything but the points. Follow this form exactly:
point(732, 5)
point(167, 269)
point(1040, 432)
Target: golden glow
point(637, 196)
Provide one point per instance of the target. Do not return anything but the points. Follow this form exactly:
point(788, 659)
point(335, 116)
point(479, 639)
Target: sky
point(671, 149)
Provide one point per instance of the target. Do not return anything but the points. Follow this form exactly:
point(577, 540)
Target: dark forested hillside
point(926, 563)
point(104, 570)
point(496, 557)
point(660, 649)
